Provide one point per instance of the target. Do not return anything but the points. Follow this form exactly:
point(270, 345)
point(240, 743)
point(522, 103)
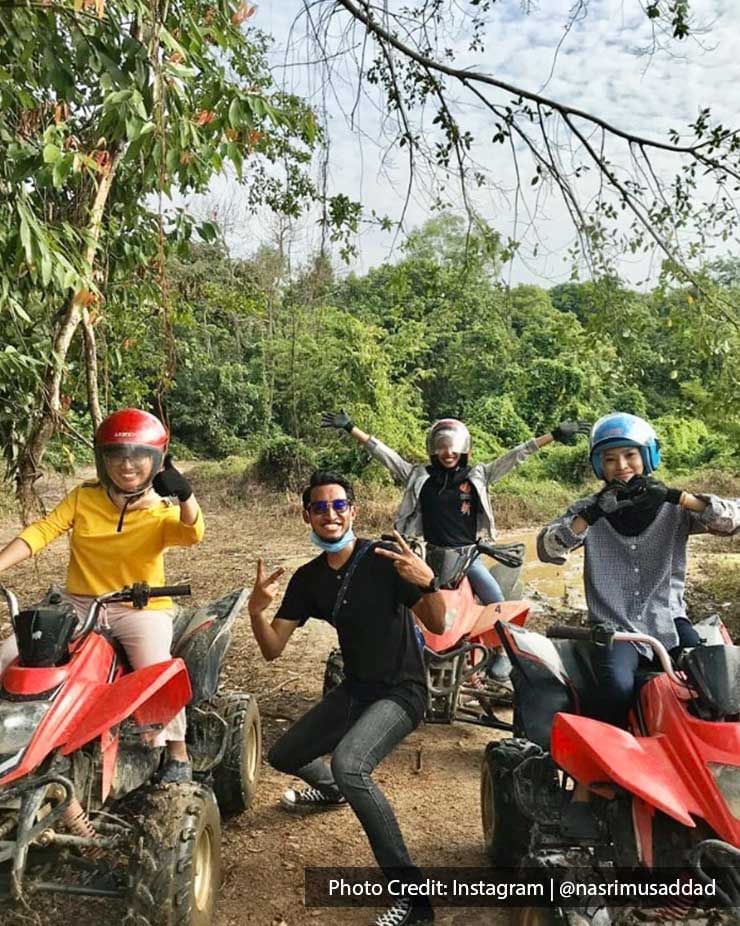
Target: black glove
point(338, 419)
point(171, 482)
point(567, 431)
point(644, 493)
point(606, 502)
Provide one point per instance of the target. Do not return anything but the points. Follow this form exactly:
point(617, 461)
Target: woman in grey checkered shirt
point(634, 533)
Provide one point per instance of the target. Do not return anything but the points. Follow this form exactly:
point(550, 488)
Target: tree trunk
point(91, 369)
point(50, 412)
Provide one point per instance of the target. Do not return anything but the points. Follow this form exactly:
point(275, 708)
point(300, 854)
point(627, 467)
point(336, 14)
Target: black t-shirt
point(449, 510)
point(382, 658)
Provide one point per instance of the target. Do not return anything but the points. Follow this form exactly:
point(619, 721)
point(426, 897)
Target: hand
point(606, 502)
point(339, 420)
point(644, 493)
point(567, 431)
point(170, 482)
point(407, 564)
point(265, 589)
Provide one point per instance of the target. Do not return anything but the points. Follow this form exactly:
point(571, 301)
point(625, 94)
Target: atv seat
point(552, 676)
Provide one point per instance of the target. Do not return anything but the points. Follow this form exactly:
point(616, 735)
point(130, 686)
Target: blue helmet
point(622, 430)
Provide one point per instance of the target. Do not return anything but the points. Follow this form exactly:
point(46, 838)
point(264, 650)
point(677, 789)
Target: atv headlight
point(728, 782)
point(18, 722)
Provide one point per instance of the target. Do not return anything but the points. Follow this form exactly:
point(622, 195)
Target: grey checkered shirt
point(637, 583)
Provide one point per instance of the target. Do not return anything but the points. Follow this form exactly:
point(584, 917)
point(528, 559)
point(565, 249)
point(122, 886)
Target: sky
point(599, 67)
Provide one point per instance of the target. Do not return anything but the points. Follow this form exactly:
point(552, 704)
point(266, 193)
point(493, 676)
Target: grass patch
point(714, 481)
point(519, 501)
point(716, 590)
point(8, 504)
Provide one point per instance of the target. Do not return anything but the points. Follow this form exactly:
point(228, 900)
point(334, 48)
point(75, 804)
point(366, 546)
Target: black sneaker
point(311, 800)
point(499, 668)
point(404, 913)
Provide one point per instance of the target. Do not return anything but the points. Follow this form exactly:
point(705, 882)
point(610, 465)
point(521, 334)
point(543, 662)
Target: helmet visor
point(452, 440)
point(128, 468)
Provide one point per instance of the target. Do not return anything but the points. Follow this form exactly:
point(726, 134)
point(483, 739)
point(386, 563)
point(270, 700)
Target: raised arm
point(565, 433)
point(271, 636)
point(399, 468)
point(563, 534)
point(342, 422)
point(170, 483)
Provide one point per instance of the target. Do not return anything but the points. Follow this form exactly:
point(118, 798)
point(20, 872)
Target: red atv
point(665, 793)
point(80, 812)
point(467, 671)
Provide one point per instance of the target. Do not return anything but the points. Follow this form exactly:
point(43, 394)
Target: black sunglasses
point(340, 505)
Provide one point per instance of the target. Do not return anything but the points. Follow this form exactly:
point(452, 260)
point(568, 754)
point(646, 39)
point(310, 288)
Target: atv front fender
point(153, 695)
point(591, 751)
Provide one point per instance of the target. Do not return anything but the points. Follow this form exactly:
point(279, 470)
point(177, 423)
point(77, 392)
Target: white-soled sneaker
point(404, 914)
point(310, 800)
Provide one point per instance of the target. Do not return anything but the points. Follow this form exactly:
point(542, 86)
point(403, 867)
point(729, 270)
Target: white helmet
point(450, 433)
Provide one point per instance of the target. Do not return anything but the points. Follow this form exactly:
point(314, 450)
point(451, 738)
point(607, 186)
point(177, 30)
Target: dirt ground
point(432, 779)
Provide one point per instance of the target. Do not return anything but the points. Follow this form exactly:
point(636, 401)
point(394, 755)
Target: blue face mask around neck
point(335, 546)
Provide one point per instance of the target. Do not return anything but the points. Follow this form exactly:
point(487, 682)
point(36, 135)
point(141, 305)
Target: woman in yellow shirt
point(119, 529)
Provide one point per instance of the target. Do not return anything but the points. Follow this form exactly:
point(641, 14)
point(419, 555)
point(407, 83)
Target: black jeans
point(616, 667)
point(359, 736)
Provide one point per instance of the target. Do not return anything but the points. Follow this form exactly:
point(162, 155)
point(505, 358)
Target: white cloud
point(596, 70)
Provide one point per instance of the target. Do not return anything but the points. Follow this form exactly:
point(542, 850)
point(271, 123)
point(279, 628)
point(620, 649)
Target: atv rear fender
point(203, 639)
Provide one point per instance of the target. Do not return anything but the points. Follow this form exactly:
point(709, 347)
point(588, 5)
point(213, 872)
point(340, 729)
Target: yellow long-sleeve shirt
point(101, 558)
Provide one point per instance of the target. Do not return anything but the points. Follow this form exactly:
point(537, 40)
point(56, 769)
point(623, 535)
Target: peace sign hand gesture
point(265, 589)
point(407, 564)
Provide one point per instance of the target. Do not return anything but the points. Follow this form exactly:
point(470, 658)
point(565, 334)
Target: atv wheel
point(505, 828)
point(235, 777)
point(334, 672)
point(175, 875)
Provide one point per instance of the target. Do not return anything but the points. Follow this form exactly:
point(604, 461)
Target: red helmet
point(134, 435)
point(448, 432)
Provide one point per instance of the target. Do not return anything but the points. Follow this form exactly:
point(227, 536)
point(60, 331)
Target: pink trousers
point(146, 636)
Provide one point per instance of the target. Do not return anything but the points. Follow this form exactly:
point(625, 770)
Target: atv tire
point(334, 671)
point(505, 828)
point(235, 777)
point(175, 874)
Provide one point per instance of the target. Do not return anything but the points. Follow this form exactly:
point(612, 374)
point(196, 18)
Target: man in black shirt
point(365, 591)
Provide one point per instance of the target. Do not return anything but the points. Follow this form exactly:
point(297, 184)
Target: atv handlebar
point(138, 594)
point(170, 591)
point(603, 636)
point(12, 603)
point(564, 632)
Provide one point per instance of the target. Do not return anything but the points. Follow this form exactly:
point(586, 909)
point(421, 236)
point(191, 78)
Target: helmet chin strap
point(129, 497)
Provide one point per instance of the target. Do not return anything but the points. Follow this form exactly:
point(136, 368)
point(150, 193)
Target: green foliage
point(103, 114)
point(423, 338)
point(286, 463)
point(686, 444)
point(499, 417)
point(566, 465)
point(217, 408)
point(261, 351)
